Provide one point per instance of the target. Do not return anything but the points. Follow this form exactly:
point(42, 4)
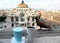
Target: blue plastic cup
point(17, 32)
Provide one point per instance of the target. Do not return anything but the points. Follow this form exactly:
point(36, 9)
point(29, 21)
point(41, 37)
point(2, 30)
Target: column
point(30, 21)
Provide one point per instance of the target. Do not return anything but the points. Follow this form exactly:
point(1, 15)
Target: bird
point(41, 24)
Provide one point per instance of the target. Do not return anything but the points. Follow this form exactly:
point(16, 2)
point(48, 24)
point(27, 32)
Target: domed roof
point(22, 5)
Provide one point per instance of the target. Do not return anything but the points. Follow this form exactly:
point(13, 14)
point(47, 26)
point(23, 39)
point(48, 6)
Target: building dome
point(22, 5)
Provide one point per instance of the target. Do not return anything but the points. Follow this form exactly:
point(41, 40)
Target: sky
point(37, 4)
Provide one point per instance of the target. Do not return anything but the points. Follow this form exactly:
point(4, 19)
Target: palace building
point(22, 15)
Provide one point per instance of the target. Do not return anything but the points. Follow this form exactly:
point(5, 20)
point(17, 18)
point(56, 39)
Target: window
point(12, 25)
point(1, 27)
point(21, 17)
point(28, 18)
point(16, 18)
point(12, 19)
point(32, 24)
point(32, 18)
point(5, 26)
point(21, 24)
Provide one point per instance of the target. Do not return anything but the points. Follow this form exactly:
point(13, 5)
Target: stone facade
point(20, 16)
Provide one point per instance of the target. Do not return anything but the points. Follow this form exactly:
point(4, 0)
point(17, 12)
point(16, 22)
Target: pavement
point(53, 39)
point(52, 36)
point(5, 40)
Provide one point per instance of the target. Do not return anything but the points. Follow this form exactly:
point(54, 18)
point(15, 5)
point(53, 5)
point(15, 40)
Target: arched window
point(12, 19)
point(12, 25)
point(28, 18)
point(5, 26)
point(32, 24)
point(21, 17)
point(32, 18)
point(22, 24)
point(16, 18)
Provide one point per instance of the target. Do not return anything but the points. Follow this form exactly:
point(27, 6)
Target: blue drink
point(17, 31)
